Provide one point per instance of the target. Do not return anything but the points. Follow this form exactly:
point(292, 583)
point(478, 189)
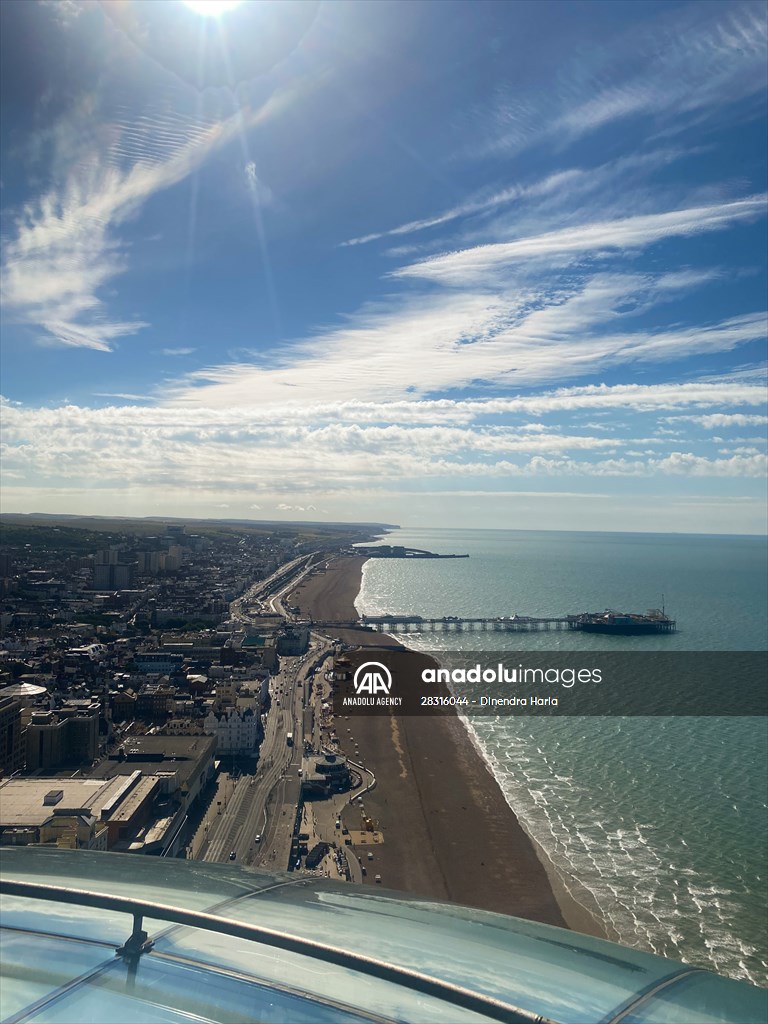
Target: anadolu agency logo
point(372, 677)
point(372, 682)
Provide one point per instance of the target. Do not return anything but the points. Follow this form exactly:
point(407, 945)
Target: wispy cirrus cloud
point(468, 338)
point(479, 204)
point(693, 62)
point(722, 62)
point(64, 247)
point(127, 396)
point(567, 185)
point(475, 264)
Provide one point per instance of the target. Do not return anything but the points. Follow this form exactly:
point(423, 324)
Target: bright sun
point(211, 8)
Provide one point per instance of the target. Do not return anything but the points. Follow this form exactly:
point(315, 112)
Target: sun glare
point(211, 8)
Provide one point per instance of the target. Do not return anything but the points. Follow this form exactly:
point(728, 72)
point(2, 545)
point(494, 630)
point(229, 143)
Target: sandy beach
point(449, 833)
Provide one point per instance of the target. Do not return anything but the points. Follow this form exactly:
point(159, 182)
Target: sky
point(466, 265)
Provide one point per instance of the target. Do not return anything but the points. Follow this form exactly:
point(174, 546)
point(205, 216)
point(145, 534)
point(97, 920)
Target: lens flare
point(211, 8)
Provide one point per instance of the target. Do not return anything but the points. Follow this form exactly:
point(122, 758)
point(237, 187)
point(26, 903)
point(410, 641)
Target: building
point(123, 704)
point(184, 727)
point(158, 663)
point(112, 576)
point(262, 648)
point(154, 701)
point(11, 744)
point(92, 814)
point(82, 743)
point(237, 729)
point(74, 830)
point(84, 660)
point(135, 801)
point(293, 640)
point(184, 763)
point(67, 736)
point(324, 774)
point(45, 740)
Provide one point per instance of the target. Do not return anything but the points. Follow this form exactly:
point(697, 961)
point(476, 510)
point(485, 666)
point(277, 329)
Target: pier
point(586, 622)
point(397, 551)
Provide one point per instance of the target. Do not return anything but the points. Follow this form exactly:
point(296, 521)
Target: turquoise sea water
point(663, 821)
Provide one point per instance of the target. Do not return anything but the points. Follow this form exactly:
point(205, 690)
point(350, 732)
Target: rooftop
point(23, 801)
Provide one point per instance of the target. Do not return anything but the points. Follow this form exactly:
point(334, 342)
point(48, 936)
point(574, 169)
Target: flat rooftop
point(158, 754)
point(22, 801)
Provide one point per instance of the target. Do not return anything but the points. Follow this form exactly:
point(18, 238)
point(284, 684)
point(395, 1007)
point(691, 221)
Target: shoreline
point(437, 796)
point(578, 915)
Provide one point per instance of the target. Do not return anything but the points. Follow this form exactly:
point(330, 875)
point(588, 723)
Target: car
point(300, 772)
point(377, 878)
point(232, 855)
point(257, 838)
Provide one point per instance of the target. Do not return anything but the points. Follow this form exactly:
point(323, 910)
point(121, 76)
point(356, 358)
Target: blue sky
point(439, 264)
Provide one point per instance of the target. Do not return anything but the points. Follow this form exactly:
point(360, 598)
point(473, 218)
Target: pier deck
point(587, 622)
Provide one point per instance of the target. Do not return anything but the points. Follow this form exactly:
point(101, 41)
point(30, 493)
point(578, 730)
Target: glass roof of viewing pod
point(229, 945)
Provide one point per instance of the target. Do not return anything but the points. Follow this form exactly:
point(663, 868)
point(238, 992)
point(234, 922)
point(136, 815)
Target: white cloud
point(483, 203)
point(258, 189)
point(66, 12)
point(686, 63)
point(567, 184)
point(719, 419)
point(249, 454)
point(125, 395)
point(593, 399)
point(721, 62)
point(429, 344)
point(177, 351)
point(470, 266)
point(676, 464)
point(599, 399)
point(65, 246)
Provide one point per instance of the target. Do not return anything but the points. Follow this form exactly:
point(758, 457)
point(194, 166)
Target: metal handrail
point(488, 1006)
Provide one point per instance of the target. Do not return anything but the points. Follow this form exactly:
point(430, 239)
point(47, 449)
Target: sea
point(657, 824)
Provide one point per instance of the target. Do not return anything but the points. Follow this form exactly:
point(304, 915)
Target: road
point(257, 797)
point(265, 804)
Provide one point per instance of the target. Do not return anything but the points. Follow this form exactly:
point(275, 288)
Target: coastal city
point(161, 695)
point(383, 551)
point(171, 689)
